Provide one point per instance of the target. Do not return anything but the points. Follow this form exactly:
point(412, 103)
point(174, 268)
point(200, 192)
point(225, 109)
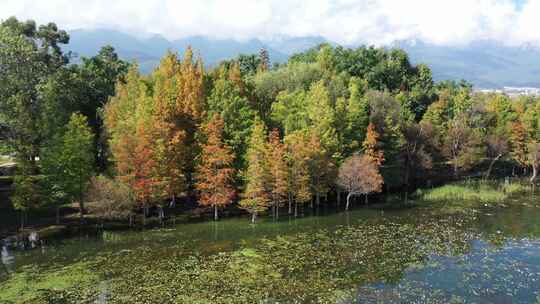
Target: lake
point(367, 255)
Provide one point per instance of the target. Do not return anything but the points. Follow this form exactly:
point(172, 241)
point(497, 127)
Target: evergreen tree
point(70, 165)
point(226, 100)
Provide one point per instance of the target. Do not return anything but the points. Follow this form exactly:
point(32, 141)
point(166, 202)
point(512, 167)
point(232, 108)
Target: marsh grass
point(471, 193)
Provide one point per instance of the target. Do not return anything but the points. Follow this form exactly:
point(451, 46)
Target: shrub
point(110, 199)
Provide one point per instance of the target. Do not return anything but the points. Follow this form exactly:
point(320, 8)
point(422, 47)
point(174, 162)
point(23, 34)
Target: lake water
point(415, 255)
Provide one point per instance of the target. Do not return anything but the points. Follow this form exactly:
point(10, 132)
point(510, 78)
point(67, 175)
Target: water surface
point(362, 256)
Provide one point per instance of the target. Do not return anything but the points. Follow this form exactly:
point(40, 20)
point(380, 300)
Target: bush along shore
point(455, 197)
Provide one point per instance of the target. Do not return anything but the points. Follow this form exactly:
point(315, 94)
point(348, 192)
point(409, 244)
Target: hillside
point(486, 64)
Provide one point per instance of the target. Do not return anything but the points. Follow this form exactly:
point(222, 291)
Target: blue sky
point(454, 22)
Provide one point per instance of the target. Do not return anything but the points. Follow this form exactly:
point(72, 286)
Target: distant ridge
point(486, 64)
point(148, 51)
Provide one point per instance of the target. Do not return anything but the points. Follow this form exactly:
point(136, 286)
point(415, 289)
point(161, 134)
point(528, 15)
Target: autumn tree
point(256, 197)
point(179, 109)
point(321, 168)
point(279, 171)
point(358, 175)
point(134, 140)
point(299, 173)
point(518, 144)
point(215, 172)
point(371, 145)
point(147, 185)
point(169, 128)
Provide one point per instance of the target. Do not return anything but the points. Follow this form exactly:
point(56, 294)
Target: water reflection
point(7, 260)
point(510, 274)
point(500, 265)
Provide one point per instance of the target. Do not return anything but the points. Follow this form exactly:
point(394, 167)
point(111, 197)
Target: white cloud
point(343, 21)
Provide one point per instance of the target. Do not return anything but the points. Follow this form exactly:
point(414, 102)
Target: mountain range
point(486, 64)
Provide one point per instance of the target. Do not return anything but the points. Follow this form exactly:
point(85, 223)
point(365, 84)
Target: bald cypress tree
point(215, 172)
point(256, 197)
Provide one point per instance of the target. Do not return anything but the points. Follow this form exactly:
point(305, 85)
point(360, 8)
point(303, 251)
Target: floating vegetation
point(413, 255)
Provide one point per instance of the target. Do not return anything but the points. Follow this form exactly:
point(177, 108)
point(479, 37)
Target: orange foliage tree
point(256, 197)
point(359, 174)
point(279, 172)
point(215, 172)
point(299, 175)
point(371, 145)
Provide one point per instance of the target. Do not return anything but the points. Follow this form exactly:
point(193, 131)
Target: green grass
point(470, 193)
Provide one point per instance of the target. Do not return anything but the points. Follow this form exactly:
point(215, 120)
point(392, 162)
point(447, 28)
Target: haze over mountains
point(486, 64)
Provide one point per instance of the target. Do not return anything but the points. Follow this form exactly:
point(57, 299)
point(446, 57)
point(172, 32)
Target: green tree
point(322, 117)
point(352, 118)
point(226, 100)
point(256, 196)
point(69, 165)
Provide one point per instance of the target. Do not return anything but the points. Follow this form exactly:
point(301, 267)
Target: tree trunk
point(317, 199)
point(295, 209)
point(253, 215)
point(22, 220)
point(366, 199)
point(161, 215)
point(456, 168)
point(534, 174)
point(290, 203)
point(348, 201)
point(172, 204)
point(338, 198)
point(144, 216)
point(491, 164)
point(277, 212)
point(57, 215)
point(81, 211)
point(215, 213)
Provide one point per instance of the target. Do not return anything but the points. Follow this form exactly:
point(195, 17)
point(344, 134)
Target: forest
point(330, 125)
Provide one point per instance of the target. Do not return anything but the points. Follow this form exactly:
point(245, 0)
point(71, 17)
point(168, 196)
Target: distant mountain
point(486, 64)
point(292, 45)
point(148, 51)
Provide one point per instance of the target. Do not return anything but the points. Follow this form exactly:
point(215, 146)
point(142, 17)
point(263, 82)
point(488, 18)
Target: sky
point(378, 22)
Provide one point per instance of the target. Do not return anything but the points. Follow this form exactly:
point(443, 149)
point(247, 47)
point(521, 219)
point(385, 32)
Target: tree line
point(248, 132)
